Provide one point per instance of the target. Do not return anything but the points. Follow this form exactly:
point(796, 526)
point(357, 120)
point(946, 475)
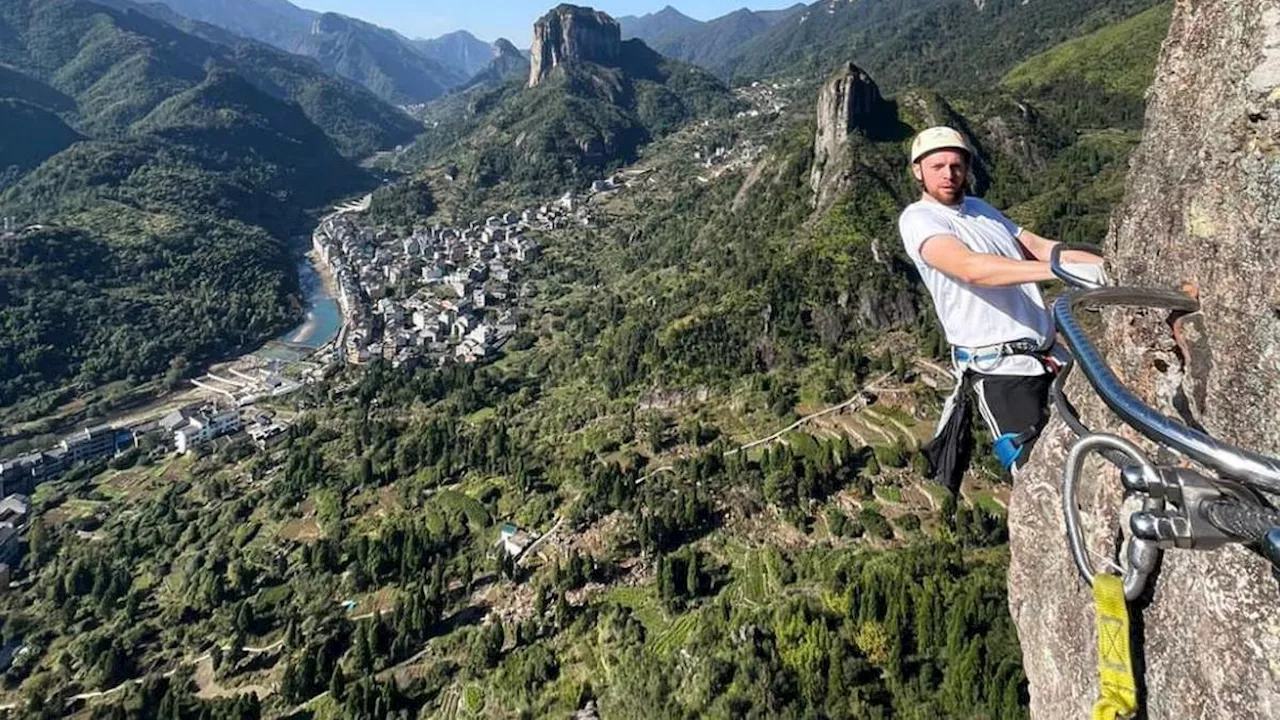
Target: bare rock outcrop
point(571, 33)
point(849, 96)
point(1202, 206)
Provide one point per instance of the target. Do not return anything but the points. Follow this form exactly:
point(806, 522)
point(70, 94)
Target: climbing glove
point(1093, 274)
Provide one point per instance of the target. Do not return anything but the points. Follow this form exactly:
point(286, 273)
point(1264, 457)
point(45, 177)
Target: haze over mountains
point(398, 69)
point(706, 43)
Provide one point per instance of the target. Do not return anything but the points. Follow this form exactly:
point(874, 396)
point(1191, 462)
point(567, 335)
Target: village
point(441, 294)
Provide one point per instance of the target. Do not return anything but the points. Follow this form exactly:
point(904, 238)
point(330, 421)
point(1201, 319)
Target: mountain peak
point(503, 46)
point(571, 33)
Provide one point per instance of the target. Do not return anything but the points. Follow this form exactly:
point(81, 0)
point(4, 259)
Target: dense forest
point(918, 627)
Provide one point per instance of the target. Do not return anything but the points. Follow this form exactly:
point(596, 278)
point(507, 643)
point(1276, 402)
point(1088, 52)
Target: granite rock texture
point(570, 33)
point(849, 96)
point(1202, 209)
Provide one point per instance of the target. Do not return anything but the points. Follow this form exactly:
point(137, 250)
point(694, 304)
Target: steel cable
point(1248, 523)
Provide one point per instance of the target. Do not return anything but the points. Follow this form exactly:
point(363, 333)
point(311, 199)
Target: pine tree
point(291, 634)
point(363, 652)
point(693, 579)
point(337, 685)
point(244, 618)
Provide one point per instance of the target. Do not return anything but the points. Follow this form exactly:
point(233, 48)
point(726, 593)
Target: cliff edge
point(1202, 206)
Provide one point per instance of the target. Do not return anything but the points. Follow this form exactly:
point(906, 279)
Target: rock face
point(571, 33)
point(507, 64)
point(847, 97)
point(1202, 206)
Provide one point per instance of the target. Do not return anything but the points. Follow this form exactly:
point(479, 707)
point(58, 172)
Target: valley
point(620, 414)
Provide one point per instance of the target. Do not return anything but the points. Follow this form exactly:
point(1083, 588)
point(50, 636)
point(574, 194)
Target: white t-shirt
point(974, 316)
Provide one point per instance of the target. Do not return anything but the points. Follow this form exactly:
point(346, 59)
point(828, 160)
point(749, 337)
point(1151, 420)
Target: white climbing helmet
point(938, 138)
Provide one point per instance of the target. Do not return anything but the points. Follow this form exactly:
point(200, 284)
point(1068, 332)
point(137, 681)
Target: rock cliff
point(1202, 206)
point(507, 64)
point(570, 33)
point(849, 96)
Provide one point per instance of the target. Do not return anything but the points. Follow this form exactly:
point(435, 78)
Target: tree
point(244, 618)
point(693, 577)
point(236, 652)
point(39, 542)
point(363, 650)
point(337, 685)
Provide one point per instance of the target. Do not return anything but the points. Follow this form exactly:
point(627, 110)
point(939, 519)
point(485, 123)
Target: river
point(324, 318)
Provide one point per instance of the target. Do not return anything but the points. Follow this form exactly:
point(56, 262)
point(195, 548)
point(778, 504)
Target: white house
point(514, 540)
point(206, 424)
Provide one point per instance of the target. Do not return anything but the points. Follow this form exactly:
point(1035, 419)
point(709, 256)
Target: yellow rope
point(1118, 695)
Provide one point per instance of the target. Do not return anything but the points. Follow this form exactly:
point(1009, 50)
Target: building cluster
point(15, 510)
point(181, 430)
point(721, 160)
point(245, 388)
point(514, 540)
point(764, 98)
point(192, 428)
point(24, 472)
point(441, 294)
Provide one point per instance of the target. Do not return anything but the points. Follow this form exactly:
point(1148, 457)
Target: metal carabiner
point(1142, 554)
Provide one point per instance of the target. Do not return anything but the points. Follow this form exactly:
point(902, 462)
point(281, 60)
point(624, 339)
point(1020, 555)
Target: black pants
point(1014, 405)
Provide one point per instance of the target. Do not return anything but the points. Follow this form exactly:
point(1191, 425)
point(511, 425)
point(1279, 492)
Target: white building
point(206, 424)
point(514, 540)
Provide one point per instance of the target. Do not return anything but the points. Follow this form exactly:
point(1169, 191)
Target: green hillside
point(193, 166)
point(14, 84)
point(942, 44)
point(584, 120)
point(355, 119)
point(31, 135)
point(1092, 88)
point(1120, 57)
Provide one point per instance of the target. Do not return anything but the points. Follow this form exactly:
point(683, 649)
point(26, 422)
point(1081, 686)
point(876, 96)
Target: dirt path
point(528, 551)
point(208, 688)
point(857, 398)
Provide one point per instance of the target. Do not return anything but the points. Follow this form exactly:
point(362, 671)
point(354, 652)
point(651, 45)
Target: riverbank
point(323, 319)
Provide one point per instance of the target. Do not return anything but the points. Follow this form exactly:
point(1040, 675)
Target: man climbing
point(981, 270)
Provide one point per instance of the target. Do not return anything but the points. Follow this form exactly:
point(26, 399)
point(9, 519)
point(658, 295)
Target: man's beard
point(946, 197)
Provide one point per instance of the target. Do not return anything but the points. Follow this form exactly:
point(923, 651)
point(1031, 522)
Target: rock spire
point(571, 33)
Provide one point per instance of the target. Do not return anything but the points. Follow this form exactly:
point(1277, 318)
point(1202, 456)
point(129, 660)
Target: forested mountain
point(33, 130)
point(708, 43)
point(196, 160)
point(1097, 80)
point(592, 102)
point(508, 64)
point(277, 22)
point(941, 44)
point(655, 27)
point(396, 69)
point(377, 58)
point(459, 51)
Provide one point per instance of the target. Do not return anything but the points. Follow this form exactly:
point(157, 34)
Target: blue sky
point(512, 19)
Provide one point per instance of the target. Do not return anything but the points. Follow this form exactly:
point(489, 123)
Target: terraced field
point(675, 636)
point(476, 514)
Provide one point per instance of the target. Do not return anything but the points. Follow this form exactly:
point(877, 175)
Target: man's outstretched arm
point(948, 255)
point(1041, 248)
